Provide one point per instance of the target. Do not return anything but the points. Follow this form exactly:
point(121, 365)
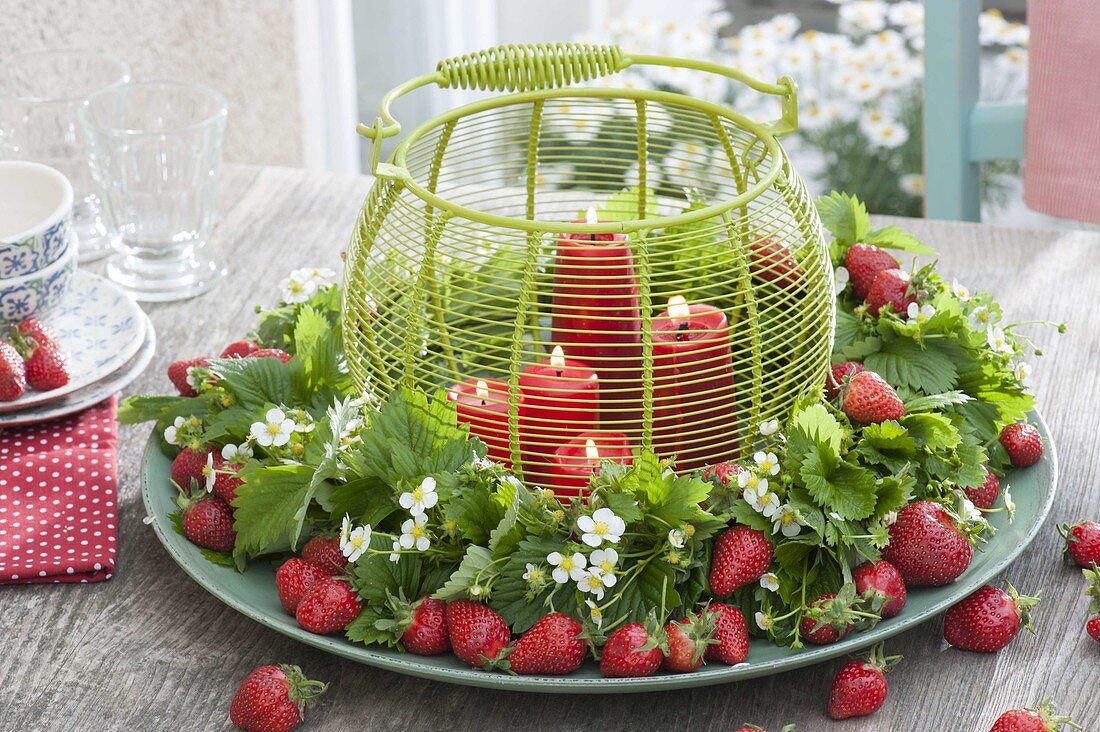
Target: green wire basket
point(695, 305)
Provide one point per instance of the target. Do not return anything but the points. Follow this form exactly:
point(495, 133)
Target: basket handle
point(531, 67)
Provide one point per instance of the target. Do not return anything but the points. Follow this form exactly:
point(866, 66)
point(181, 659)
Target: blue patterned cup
point(35, 220)
point(34, 295)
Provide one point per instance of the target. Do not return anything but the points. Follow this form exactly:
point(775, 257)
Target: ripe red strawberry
point(860, 687)
point(884, 579)
point(177, 374)
point(1082, 542)
point(688, 641)
point(732, 635)
point(478, 634)
point(1042, 719)
point(292, 580)
point(926, 546)
point(272, 353)
point(741, 556)
point(1023, 443)
point(240, 349)
point(864, 262)
point(38, 332)
point(868, 399)
point(774, 263)
point(324, 551)
point(827, 620)
point(985, 495)
point(632, 650)
point(209, 523)
point(422, 624)
point(1092, 627)
point(46, 368)
point(328, 606)
point(552, 647)
point(839, 373)
point(725, 472)
point(273, 699)
point(226, 481)
point(890, 287)
point(188, 469)
point(988, 619)
point(13, 376)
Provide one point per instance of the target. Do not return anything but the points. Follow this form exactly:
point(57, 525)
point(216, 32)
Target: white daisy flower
point(907, 14)
point(887, 134)
point(861, 17)
point(421, 498)
point(171, 432)
point(567, 567)
point(603, 525)
point(767, 461)
point(770, 582)
point(413, 533)
point(676, 538)
point(912, 183)
point(920, 313)
point(771, 426)
point(788, 520)
point(274, 431)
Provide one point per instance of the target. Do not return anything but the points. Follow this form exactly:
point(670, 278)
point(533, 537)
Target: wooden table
point(149, 650)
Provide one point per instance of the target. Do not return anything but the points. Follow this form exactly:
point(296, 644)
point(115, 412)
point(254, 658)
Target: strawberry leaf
point(839, 487)
point(476, 568)
point(271, 502)
point(892, 237)
point(845, 217)
point(903, 363)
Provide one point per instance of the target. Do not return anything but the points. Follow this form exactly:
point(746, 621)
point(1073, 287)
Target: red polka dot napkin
point(58, 512)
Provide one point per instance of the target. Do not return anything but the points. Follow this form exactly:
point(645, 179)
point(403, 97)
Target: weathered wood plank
point(149, 650)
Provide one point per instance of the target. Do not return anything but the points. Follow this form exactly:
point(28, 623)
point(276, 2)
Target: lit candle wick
point(590, 217)
point(591, 451)
point(482, 390)
point(557, 359)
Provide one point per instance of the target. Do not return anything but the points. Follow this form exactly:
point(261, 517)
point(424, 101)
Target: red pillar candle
point(483, 405)
point(691, 351)
point(573, 464)
point(560, 398)
point(596, 317)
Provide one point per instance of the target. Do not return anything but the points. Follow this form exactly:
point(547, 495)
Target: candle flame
point(482, 390)
point(678, 308)
point(590, 216)
point(557, 358)
point(590, 450)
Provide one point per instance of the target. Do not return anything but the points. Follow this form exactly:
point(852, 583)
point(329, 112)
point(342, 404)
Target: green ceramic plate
point(253, 593)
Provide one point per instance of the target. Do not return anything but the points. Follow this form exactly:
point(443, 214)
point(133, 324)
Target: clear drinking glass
point(40, 95)
point(155, 152)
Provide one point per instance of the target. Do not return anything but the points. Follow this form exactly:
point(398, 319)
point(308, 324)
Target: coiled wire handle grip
point(537, 66)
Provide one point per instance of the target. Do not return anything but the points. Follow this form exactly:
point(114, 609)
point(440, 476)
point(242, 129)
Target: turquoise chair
point(959, 130)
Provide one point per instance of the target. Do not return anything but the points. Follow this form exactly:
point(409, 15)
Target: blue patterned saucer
point(99, 327)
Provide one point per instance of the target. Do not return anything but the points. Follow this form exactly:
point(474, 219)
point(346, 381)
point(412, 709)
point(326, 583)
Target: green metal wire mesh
point(458, 271)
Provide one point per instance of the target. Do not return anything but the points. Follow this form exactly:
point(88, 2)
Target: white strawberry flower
point(968, 511)
point(533, 574)
point(319, 276)
point(676, 538)
point(1022, 371)
point(747, 479)
point(920, 313)
point(354, 542)
point(297, 288)
point(997, 340)
point(413, 533)
point(594, 613)
point(567, 567)
point(840, 280)
point(769, 428)
point(476, 590)
point(237, 453)
point(602, 563)
point(590, 583)
point(421, 498)
point(960, 291)
point(769, 504)
point(767, 462)
point(763, 621)
point(754, 496)
point(603, 525)
point(194, 377)
point(303, 421)
point(395, 555)
point(171, 432)
point(482, 463)
point(210, 476)
point(787, 520)
point(890, 518)
point(770, 581)
point(274, 431)
point(981, 318)
point(1010, 505)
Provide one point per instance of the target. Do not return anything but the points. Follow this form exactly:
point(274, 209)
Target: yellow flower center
point(600, 529)
point(417, 531)
point(418, 495)
point(606, 566)
point(566, 564)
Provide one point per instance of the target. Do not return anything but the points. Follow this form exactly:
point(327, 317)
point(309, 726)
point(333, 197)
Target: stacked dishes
point(106, 337)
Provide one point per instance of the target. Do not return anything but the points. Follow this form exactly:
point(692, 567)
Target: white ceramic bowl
point(35, 294)
point(35, 218)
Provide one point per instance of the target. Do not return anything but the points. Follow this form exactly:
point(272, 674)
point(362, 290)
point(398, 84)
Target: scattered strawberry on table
point(1082, 542)
point(1043, 718)
point(274, 698)
point(987, 620)
point(1092, 625)
point(389, 524)
point(31, 357)
point(860, 687)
